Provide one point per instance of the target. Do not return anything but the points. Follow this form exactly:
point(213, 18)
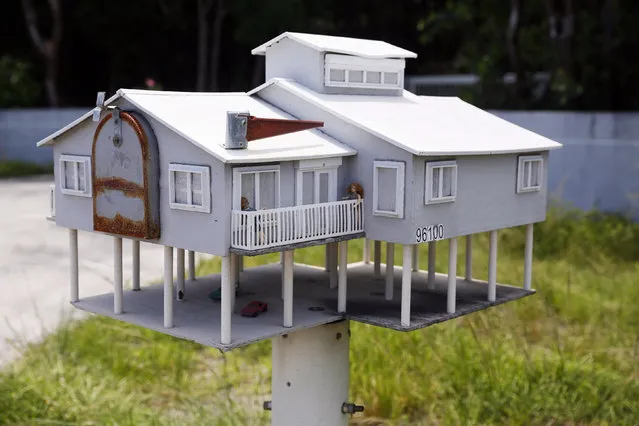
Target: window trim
point(237, 183)
point(76, 159)
point(400, 166)
point(431, 167)
point(205, 175)
point(521, 161)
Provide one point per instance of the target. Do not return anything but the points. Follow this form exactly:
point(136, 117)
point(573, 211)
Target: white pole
point(367, 251)
point(492, 267)
point(180, 274)
point(310, 376)
point(452, 275)
point(406, 284)
point(74, 284)
point(432, 252)
point(341, 287)
point(390, 269)
point(415, 257)
point(168, 287)
point(469, 258)
point(226, 302)
point(528, 255)
point(377, 259)
point(117, 275)
point(333, 278)
point(288, 289)
point(233, 275)
point(191, 265)
point(327, 257)
point(135, 250)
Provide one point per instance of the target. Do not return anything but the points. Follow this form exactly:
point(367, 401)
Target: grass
point(14, 168)
point(566, 356)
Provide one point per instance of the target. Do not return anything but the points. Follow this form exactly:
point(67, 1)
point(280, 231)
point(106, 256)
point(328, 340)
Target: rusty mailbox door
point(125, 167)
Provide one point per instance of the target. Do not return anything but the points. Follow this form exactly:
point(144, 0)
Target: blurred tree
point(17, 86)
point(47, 47)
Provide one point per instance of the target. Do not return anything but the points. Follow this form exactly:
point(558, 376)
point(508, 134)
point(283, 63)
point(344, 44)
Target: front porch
point(265, 231)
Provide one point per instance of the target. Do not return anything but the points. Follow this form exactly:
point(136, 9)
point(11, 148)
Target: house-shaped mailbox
point(344, 153)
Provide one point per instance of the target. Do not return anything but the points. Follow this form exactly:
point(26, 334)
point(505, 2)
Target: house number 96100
point(430, 233)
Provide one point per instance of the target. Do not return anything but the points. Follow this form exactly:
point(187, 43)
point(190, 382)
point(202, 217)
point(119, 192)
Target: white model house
point(170, 168)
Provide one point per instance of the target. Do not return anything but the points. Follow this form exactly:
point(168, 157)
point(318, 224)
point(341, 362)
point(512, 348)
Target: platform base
point(197, 318)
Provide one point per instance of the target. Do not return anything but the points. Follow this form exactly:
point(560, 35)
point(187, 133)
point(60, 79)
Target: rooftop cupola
point(336, 65)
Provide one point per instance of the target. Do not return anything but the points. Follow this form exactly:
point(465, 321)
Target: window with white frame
point(75, 175)
point(190, 187)
point(529, 173)
point(388, 188)
point(352, 71)
point(259, 186)
point(441, 182)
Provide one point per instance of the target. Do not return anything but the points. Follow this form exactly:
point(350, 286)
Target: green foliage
point(16, 168)
point(17, 86)
point(567, 355)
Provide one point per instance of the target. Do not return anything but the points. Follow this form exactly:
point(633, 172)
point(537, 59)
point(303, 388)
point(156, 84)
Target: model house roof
point(424, 125)
point(201, 119)
point(345, 45)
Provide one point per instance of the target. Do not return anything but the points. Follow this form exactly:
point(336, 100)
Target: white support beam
point(135, 252)
point(415, 261)
point(288, 289)
point(528, 257)
point(117, 275)
point(390, 269)
point(452, 275)
point(468, 271)
point(168, 287)
point(407, 264)
point(327, 257)
point(492, 267)
point(226, 302)
point(333, 273)
point(74, 276)
point(432, 253)
point(341, 287)
point(191, 265)
point(367, 251)
point(180, 275)
point(377, 259)
point(234, 282)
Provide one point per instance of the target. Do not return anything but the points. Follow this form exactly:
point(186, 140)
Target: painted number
point(430, 233)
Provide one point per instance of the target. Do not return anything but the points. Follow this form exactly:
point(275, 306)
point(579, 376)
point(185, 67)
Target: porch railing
point(251, 230)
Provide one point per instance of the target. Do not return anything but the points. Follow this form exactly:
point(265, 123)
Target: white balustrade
point(252, 230)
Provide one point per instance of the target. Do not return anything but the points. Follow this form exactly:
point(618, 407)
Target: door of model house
point(314, 187)
point(257, 188)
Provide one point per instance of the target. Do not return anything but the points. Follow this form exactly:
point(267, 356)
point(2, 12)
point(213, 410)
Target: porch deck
point(197, 318)
point(264, 231)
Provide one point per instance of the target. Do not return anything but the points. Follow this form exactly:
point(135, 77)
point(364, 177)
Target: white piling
point(528, 257)
point(492, 267)
point(406, 284)
point(74, 284)
point(390, 269)
point(117, 275)
point(452, 275)
point(168, 287)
